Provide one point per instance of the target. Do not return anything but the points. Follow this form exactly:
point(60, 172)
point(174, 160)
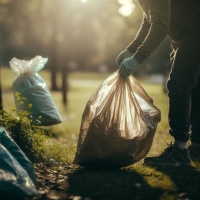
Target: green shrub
point(29, 138)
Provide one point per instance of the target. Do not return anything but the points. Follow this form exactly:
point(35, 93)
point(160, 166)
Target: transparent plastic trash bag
point(17, 175)
point(118, 124)
point(32, 88)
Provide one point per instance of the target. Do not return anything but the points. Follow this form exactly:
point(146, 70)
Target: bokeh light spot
point(127, 7)
point(83, 1)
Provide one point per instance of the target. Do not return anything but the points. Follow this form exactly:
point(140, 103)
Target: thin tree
point(1, 101)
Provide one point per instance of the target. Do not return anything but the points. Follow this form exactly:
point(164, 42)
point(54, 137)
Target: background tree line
point(72, 34)
point(92, 33)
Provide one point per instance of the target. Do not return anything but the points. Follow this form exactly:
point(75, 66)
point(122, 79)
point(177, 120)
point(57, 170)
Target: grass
point(133, 182)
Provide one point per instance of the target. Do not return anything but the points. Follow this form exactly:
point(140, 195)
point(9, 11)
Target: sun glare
point(127, 7)
point(83, 1)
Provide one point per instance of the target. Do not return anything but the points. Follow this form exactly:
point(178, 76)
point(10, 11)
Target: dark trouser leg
point(183, 79)
point(180, 105)
point(195, 115)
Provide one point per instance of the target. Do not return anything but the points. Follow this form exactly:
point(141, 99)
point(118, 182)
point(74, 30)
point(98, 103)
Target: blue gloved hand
point(122, 56)
point(128, 66)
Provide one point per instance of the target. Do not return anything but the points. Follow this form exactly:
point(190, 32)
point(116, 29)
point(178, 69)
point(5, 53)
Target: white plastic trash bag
point(36, 97)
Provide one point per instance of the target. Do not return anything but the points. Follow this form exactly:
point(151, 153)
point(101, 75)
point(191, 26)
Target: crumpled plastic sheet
point(17, 175)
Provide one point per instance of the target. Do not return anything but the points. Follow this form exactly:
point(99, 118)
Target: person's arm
point(158, 12)
point(140, 36)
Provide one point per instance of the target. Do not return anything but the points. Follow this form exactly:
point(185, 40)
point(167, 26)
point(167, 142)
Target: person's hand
point(128, 67)
point(122, 56)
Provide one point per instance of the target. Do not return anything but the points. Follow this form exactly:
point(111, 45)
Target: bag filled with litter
point(118, 124)
point(31, 92)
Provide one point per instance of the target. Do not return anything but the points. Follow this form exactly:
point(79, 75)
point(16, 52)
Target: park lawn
point(133, 182)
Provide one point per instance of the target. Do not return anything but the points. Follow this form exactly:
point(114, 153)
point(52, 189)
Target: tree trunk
point(1, 101)
point(64, 86)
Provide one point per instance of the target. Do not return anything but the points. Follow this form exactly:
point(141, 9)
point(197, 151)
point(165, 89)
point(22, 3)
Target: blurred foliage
point(91, 33)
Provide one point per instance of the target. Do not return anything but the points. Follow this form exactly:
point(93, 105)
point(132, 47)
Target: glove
point(123, 55)
point(128, 66)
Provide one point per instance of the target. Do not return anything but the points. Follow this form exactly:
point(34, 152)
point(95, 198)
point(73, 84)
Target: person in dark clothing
point(179, 20)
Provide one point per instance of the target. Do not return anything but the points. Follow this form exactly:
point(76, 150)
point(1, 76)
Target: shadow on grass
point(186, 179)
point(110, 185)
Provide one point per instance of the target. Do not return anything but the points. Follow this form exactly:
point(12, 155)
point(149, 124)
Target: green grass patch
point(133, 182)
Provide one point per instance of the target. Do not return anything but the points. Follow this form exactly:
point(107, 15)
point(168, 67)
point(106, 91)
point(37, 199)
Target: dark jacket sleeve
point(157, 13)
point(141, 35)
